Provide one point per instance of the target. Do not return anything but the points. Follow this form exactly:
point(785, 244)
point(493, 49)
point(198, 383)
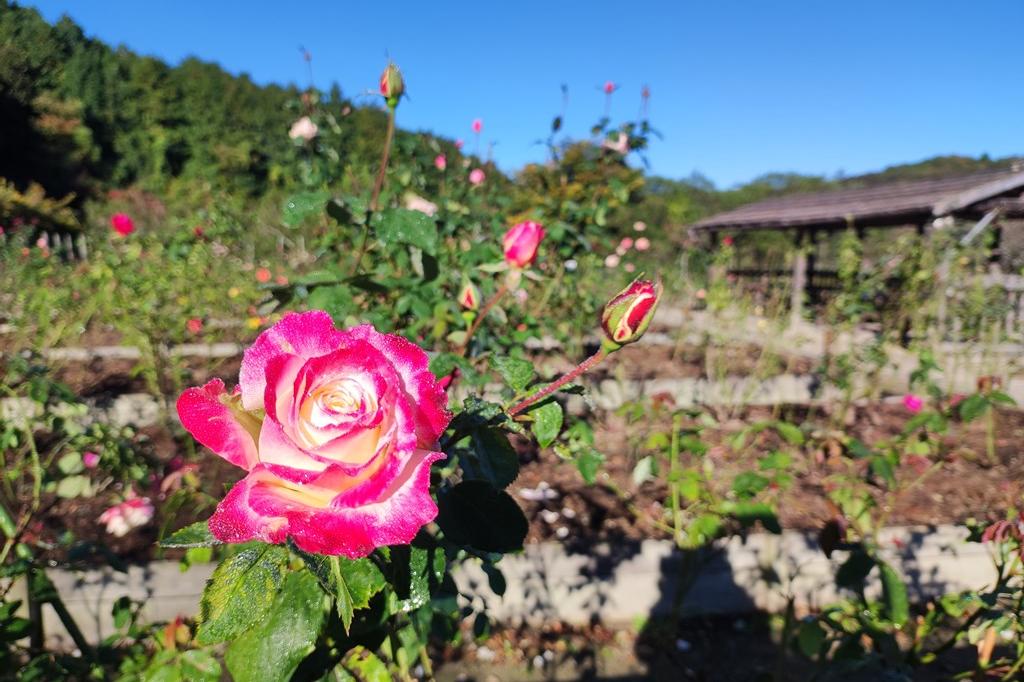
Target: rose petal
point(262, 507)
point(213, 417)
point(421, 386)
point(307, 335)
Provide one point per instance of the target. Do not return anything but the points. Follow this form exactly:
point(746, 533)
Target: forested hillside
point(78, 116)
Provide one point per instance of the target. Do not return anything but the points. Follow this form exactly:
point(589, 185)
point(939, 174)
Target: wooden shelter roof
point(897, 203)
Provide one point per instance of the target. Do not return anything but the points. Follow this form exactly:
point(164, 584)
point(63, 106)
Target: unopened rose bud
point(392, 85)
point(469, 297)
point(626, 317)
point(520, 243)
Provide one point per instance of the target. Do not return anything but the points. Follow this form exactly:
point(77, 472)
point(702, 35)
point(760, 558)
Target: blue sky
point(738, 87)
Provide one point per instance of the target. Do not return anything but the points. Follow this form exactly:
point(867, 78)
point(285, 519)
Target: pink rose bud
point(609, 87)
point(913, 403)
point(122, 224)
point(440, 162)
point(520, 243)
point(469, 297)
point(727, 241)
point(626, 244)
point(478, 125)
point(90, 460)
point(643, 244)
point(392, 85)
point(476, 176)
point(194, 325)
point(263, 275)
point(626, 317)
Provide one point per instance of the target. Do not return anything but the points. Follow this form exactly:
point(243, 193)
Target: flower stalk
point(585, 366)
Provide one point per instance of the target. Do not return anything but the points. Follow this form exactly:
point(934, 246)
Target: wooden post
point(796, 305)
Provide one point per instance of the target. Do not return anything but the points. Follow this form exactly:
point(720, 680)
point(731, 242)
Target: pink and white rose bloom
point(303, 129)
point(476, 176)
point(337, 430)
point(521, 242)
point(122, 518)
point(440, 162)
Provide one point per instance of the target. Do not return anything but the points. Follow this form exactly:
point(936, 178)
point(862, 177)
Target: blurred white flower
point(418, 203)
point(304, 128)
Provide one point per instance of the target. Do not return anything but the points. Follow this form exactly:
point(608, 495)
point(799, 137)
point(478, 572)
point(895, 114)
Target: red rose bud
point(520, 243)
point(469, 297)
point(392, 85)
point(626, 317)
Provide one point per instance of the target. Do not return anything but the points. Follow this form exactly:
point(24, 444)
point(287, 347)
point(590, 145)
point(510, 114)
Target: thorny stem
point(543, 393)
point(677, 512)
point(378, 185)
point(484, 310)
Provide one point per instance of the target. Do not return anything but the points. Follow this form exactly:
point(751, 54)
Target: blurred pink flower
point(620, 145)
point(629, 267)
point(122, 224)
point(727, 241)
point(639, 226)
point(123, 517)
point(626, 243)
point(913, 403)
point(609, 87)
point(476, 176)
point(701, 294)
point(440, 162)
point(459, 144)
point(643, 244)
point(90, 460)
point(43, 242)
point(304, 128)
point(478, 125)
point(611, 260)
point(263, 275)
point(194, 325)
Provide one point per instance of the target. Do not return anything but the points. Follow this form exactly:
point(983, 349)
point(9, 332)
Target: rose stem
point(378, 185)
point(501, 291)
point(584, 366)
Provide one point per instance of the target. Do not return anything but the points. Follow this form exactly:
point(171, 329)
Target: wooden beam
point(976, 194)
point(799, 283)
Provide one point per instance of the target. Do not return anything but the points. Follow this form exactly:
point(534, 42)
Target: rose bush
point(337, 430)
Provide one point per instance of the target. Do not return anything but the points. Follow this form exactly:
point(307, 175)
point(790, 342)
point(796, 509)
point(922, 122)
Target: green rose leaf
point(197, 664)
point(547, 422)
point(416, 573)
point(475, 514)
point(973, 406)
point(273, 650)
point(588, 462)
point(195, 535)
point(493, 458)
point(300, 206)
point(516, 372)
point(240, 592)
point(894, 591)
point(749, 512)
point(403, 226)
point(362, 665)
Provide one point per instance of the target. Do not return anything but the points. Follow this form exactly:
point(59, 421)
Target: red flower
point(122, 224)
